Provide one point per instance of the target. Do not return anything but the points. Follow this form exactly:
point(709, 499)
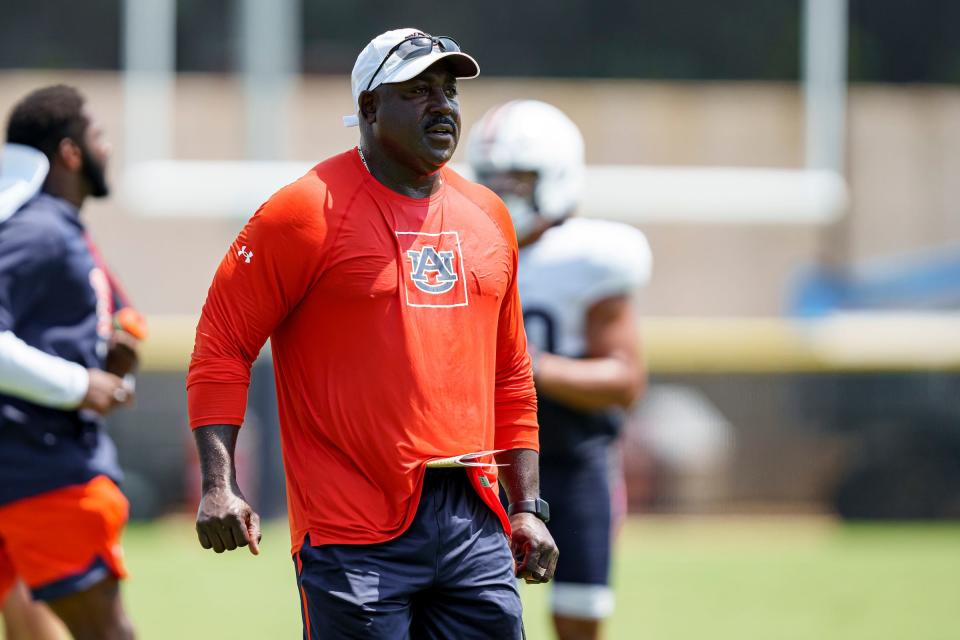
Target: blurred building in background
point(213, 105)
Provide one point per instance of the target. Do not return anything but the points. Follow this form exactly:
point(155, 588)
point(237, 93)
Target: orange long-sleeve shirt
point(397, 337)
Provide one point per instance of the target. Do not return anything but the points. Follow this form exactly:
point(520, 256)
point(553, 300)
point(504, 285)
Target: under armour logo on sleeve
point(244, 253)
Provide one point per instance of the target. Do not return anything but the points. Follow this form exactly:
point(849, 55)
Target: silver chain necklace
point(362, 159)
point(367, 167)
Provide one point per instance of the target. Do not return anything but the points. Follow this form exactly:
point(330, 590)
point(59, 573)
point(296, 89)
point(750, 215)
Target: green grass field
point(676, 579)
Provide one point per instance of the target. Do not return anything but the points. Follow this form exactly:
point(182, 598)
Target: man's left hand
point(533, 548)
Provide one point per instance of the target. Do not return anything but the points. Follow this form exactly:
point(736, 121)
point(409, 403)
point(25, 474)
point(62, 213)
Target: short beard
point(95, 173)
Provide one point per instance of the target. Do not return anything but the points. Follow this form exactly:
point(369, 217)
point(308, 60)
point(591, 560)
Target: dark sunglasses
point(414, 47)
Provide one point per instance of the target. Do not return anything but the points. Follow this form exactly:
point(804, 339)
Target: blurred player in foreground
point(577, 281)
point(387, 284)
point(62, 368)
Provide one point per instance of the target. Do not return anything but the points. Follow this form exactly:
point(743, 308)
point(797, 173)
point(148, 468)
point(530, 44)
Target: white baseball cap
point(22, 172)
point(379, 63)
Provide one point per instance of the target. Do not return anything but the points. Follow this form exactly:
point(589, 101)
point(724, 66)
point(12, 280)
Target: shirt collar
point(66, 209)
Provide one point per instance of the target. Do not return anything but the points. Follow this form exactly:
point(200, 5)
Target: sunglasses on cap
point(414, 47)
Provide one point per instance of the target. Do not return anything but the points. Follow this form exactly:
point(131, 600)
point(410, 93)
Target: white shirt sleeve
point(619, 265)
point(30, 374)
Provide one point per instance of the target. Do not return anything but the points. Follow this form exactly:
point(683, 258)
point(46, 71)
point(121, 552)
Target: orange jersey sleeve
point(515, 400)
point(264, 274)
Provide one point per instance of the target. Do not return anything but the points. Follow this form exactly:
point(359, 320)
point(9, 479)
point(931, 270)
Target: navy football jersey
point(55, 298)
point(561, 276)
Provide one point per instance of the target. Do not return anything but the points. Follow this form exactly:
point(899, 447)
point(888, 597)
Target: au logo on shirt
point(433, 269)
point(429, 264)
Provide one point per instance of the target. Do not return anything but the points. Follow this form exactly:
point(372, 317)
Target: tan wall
point(904, 169)
point(904, 149)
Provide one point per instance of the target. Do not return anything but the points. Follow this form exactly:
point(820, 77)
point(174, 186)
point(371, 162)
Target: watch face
point(543, 510)
point(537, 507)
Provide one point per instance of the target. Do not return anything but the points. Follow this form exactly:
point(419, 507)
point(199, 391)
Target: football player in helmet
point(577, 279)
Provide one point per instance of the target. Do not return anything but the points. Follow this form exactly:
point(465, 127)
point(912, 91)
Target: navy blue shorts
point(579, 493)
point(450, 575)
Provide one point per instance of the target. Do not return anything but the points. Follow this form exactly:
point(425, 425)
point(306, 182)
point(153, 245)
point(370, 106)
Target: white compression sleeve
point(31, 374)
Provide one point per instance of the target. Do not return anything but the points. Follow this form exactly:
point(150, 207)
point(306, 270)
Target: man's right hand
point(105, 392)
point(226, 521)
point(122, 357)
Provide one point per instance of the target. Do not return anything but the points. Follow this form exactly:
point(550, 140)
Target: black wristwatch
point(537, 507)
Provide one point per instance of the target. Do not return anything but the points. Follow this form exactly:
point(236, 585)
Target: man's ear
point(368, 103)
point(69, 155)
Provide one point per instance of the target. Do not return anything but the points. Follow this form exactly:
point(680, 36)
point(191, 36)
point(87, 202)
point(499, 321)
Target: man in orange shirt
point(387, 285)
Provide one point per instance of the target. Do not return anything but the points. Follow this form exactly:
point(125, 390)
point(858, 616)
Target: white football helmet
point(529, 135)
